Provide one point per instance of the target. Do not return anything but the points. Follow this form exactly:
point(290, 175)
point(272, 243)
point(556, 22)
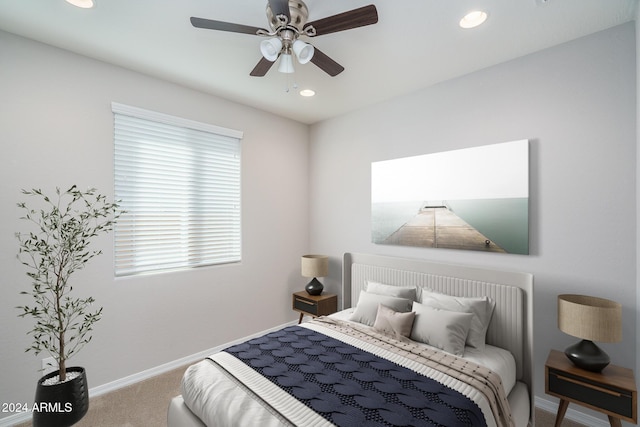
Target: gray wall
point(56, 129)
point(576, 104)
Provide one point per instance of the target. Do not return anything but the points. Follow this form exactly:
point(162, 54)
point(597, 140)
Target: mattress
point(220, 399)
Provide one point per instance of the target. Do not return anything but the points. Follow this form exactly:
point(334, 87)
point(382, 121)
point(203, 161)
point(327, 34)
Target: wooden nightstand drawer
point(314, 305)
point(603, 396)
point(305, 304)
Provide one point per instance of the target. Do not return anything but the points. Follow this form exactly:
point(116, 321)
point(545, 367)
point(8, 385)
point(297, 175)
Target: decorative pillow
point(367, 307)
point(392, 322)
point(408, 292)
point(446, 330)
point(480, 307)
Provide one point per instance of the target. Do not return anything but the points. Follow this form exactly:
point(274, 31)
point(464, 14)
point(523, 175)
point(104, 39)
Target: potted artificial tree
point(58, 245)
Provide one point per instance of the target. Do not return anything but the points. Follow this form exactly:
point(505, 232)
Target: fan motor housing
point(299, 15)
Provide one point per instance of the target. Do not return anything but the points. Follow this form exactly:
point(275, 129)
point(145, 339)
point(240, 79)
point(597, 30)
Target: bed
point(465, 358)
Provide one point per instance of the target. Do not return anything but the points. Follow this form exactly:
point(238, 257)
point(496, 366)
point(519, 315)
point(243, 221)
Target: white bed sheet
point(497, 359)
point(219, 402)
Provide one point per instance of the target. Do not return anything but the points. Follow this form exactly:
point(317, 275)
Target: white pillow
point(446, 330)
point(408, 292)
point(392, 322)
point(367, 307)
point(480, 307)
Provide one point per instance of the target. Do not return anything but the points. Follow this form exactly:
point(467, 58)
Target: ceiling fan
point(288, 21)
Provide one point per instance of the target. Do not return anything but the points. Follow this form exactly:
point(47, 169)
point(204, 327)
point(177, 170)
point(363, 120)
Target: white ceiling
point(415, 44)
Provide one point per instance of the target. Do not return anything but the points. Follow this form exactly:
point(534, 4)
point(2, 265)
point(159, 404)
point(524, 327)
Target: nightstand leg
point(562, 409)
point(615, 422)
point(300, 320)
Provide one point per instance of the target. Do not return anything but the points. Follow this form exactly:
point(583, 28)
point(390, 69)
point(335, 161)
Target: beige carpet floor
point(145, 404)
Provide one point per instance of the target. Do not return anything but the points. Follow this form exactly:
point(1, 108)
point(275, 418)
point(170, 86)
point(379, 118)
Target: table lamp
point(314, 266)
point(591, 319)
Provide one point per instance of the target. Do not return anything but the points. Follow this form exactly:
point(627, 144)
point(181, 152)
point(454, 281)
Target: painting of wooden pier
point(471, 199)
point(438, 227)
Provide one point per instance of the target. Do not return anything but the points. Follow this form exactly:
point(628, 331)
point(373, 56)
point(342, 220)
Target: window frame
point(128, 240)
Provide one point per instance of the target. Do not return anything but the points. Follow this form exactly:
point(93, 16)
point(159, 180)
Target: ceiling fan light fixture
point(286, 64)
point(84, 4)
point(304, 51)
point(473, 19)
point(271, 48)
point(288, 21)
point(307, 92)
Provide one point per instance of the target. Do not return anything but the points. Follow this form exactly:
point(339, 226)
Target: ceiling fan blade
point(210, 24)
point(355, 18)
point(280, 7)
point(326, 64)
point(261, 68)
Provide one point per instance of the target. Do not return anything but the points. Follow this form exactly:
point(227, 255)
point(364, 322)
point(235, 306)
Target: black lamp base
point(314, 287)
point(586, 355)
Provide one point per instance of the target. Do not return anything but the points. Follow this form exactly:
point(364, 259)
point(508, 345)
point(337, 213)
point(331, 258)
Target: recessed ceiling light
point(307, 92)
point(85, 4)
point(473, 19)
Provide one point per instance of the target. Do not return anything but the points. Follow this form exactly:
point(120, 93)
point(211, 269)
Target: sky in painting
point(489, 172)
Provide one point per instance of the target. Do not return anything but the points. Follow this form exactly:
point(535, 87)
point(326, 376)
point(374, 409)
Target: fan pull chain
point(287, 87)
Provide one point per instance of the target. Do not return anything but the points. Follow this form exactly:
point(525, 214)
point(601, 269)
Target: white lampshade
point(270, 49)
point(315, 265)
point(304, 51)
point(286, 63)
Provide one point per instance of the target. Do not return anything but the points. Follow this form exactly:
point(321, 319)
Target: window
point(179, 183)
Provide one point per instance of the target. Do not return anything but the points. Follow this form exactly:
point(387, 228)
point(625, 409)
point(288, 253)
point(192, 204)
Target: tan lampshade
point(590, 318)
point(315, 265)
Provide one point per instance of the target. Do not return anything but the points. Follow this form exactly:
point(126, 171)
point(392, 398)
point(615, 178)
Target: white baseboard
point(149, 373)
point(571, 414)
point(12, 420)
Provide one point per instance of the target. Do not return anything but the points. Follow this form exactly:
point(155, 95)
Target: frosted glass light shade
point(270, 49)
point(286, 63)
point(304, 51)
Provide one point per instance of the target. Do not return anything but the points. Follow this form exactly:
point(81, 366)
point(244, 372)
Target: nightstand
point(314, 305)
point(612, 391)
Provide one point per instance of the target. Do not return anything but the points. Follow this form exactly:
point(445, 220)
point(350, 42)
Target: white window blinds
point(179, 183)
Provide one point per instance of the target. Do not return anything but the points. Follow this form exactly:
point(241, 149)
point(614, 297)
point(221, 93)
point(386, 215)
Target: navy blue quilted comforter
point(350, 387)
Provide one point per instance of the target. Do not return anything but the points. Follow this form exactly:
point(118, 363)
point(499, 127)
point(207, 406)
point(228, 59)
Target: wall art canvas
point(473, 199)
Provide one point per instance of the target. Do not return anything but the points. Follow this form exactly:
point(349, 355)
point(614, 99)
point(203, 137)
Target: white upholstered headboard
point(511, 325)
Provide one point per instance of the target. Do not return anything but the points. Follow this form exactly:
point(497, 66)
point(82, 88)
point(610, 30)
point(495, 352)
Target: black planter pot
point(61, 405)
